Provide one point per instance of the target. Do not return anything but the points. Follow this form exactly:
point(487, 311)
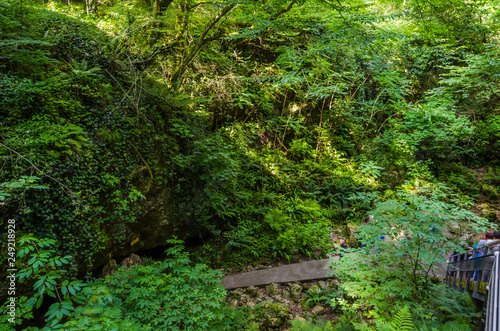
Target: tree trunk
point(161, 6)
point(91, 7)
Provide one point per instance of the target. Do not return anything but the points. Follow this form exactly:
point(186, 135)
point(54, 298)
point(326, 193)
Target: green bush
point(308, 326)
point(168, 295)
point(47, 275)
point(389, 274)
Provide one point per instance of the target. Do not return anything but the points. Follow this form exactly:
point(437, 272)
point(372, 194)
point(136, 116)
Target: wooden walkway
point(310, 270)
point(298, 272)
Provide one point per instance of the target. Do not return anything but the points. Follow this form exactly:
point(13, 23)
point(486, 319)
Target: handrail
point(475, 276)
point(492, 243)
point(461, 268)
point(476, 249)
point(488, 245)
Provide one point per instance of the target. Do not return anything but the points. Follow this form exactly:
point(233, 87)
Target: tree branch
point(282, 11)
point(174, 80)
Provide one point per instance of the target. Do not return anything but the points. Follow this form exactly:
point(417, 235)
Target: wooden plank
point(310, 270)
point(305, 271)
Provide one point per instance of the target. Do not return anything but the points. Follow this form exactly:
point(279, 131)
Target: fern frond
point(276, 219)
point(402, 321)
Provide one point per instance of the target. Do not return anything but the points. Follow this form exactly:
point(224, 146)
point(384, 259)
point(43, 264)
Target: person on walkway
point(488, 264)
point(479, 252)
point(486, 239)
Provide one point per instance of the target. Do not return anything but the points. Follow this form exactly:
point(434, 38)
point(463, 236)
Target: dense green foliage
point(262, 126)
point(386, 275)
point(171, 295)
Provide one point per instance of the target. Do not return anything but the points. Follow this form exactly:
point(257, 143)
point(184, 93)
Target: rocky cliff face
point(155, 224)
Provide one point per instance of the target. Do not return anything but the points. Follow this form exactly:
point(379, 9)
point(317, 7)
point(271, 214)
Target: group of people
point(488, 238)
point(478, 250)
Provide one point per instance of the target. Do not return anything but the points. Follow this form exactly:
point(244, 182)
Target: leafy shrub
point(277, 220)
point(308, 326)
point(389, 274)
point(300, 149)
point(46, 272)
point(324, 296)
point(168, 295)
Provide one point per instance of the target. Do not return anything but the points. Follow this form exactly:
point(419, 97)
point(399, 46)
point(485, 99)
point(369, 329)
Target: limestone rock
point(133, 259)
point(251, 291)
point(314, 289)
point(272, 289)
point(276, 315)
point(285, 294)
point(490, 191)
point(490, 215)
point(251, 303)
point(295, 291)
point(233, 303)
point(484, 207)
point(248, 268)
point(244, 299)
point(323, 284)
point(274, 322)
point(332, 283)
point(261, 294)
point(279, 298)
point(318, 310)
point(466, 236)
point(270, 300)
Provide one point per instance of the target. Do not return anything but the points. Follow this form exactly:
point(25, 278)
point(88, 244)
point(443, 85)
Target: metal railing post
point(493, 308)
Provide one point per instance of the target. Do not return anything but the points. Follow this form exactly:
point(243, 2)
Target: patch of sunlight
point(294, 107)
